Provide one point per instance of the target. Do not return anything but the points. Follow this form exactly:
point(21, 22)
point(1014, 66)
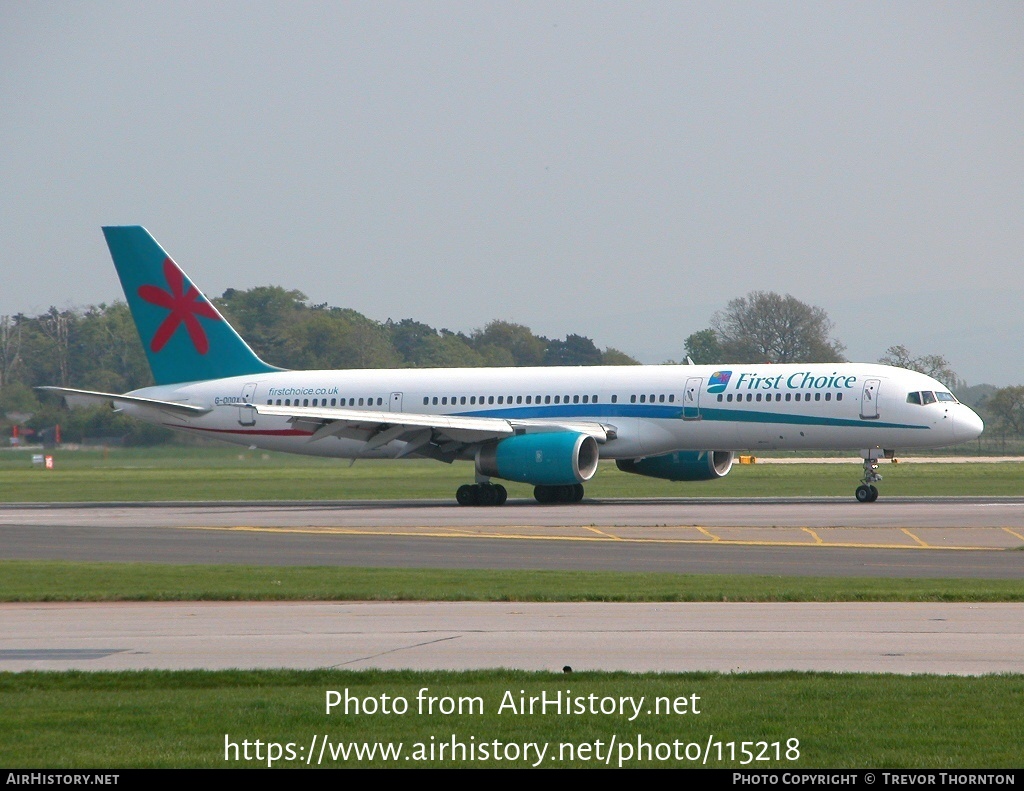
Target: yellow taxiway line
point(599, 536)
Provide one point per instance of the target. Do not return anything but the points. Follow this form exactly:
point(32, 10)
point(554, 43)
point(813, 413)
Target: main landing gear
point(558, 494)
point(481, 494)
point(496, 494)
point(867, 492)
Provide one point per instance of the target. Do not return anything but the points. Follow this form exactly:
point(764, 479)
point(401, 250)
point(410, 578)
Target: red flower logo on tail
point(184, 307)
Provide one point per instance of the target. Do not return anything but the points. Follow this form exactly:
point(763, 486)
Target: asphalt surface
point(947, 537)
point(908, 537)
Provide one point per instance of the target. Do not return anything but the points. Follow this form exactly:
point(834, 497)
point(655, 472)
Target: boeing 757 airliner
point(547, 427)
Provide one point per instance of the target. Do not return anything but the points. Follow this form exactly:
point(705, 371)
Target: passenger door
point(246, 416)
point(691, 398)
point(869, 400)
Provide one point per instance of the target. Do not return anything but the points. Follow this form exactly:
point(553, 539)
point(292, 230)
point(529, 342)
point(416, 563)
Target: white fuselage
point(653, 409)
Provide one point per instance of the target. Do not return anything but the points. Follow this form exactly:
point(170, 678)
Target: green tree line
point(98, 348)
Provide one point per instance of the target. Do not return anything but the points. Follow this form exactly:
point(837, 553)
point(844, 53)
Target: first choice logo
point(801, 380)
point(719, 381)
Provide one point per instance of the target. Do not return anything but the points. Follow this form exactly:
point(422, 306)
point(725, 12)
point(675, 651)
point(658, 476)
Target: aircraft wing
point(77, 398)
point(448, 434)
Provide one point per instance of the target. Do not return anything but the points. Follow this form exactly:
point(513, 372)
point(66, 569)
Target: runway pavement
point(915, 537)
point(962, 639)
point(948, 537)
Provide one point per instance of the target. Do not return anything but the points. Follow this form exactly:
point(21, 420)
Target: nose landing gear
point(867, 492)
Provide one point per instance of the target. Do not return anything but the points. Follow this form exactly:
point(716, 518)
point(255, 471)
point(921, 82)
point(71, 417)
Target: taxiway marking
point(433, 532)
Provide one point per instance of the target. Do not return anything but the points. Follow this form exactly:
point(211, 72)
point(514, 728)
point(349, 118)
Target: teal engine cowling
point(555, 458)
point(683, 465)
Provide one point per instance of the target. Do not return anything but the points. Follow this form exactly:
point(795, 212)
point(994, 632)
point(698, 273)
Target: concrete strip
point(961, 639)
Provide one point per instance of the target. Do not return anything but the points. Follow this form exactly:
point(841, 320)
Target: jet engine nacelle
point(556, 458)
point(683, 465)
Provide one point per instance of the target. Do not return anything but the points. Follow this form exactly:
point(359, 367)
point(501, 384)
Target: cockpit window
point(928, 397)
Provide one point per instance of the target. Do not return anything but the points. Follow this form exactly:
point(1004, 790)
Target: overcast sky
point(620, 170)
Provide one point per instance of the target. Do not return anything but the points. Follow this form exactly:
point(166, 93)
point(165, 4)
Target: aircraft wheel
point(874, 492)
point(577, 493)
point(466, 495)
point(486, 495)
point(502, 494)
point(864, 494)
point(545, 494)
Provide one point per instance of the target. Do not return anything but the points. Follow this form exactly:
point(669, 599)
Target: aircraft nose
point(967, 424)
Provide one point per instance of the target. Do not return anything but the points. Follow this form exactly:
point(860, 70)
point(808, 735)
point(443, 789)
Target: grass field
point(184, 719)
point(33, 581)
point(161, 719)
point(200, 473)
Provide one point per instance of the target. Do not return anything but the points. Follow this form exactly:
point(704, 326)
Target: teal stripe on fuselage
point(753, 416)
point(674, 412)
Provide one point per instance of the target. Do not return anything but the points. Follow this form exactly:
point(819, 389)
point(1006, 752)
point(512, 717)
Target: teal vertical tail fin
point(185, 337)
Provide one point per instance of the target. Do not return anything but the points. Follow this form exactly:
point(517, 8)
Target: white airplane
point(543, 426)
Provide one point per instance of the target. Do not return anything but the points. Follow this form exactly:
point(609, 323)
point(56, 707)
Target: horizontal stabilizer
point(76, 398)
